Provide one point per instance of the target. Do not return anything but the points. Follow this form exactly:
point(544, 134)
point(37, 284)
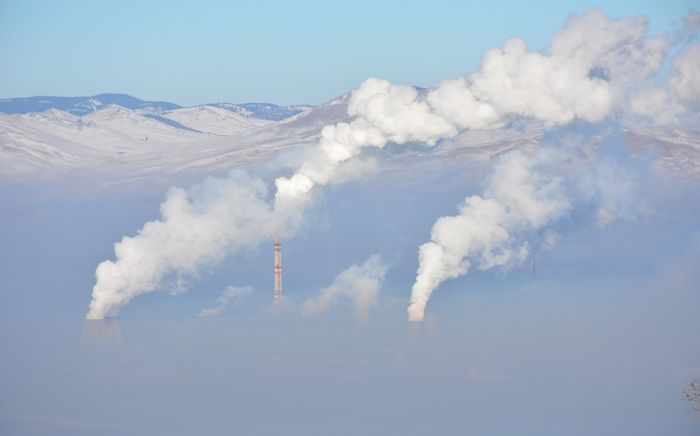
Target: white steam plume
point(358, 283)
point(593, 66)
point(491, 230)
point(667, 105)
point(516, 217)
point(589, 67)
point(231, 293)
point(196, 228)
point(592, 63)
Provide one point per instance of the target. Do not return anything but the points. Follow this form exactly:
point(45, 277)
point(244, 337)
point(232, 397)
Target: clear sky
point(283, 52)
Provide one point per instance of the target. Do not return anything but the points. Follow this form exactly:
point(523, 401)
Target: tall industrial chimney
point(278, 271)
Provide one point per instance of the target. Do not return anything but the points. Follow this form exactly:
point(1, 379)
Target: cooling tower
point(102, 333)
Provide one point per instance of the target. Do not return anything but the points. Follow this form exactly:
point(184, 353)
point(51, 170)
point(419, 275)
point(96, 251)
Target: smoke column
point(578, 78)
point(491, 230)
point(520, 198)
point(590, 68)
point(197, 227)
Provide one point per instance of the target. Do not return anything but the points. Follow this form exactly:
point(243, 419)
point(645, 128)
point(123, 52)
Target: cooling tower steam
point(492, 229)
point(592, 68)
point(525, 204)
point(358, 283)
point(197, 228)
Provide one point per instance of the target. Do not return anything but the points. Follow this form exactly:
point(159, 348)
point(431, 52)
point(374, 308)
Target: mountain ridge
point(138, 144)
point(85, 105)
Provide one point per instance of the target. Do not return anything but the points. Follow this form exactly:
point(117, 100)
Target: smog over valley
point(371, 218)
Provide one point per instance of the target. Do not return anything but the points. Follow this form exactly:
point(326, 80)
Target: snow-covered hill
point(673, 149)
point(138, 142)
point(80, 105)
point(126, 144)
point(265, 111)
point(216, 120)
point(56, 140)
point(85, 105)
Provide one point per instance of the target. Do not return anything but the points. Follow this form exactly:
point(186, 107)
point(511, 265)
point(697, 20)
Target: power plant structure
point(104, 334)
point(278, 271)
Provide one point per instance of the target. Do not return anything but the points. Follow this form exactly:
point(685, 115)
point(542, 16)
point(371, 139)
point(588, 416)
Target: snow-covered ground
point(139, 143)
point(216, 120)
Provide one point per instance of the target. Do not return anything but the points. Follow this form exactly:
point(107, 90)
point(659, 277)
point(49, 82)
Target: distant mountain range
point(121, 137)
point(122, 134)
point(80, 106)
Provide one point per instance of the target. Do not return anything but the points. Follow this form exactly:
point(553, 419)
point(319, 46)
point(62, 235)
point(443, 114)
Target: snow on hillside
point(131, 126)
point(675, 150)
point(85, 105)
point(272, 112)
point(191, 142)
point(215, 120)
point(138, 142)
point(79, 105)
point(55, 140)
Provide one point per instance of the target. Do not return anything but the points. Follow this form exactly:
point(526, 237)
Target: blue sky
point(282, 52)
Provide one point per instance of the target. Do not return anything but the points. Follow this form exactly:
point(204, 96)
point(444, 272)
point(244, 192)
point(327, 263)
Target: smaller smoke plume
point(230, 294)
point(491, 230)
point(358, 283)
point(516, 216)
point(612, 190)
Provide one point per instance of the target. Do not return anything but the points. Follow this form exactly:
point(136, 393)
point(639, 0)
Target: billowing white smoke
point(593, 66)
point(583, 75)
point(231, 293)
point(491, 230)
point(666, 105)
point(685, 79)
point(517, 216)
point(197, 228)
point(358, 283)
point(590, 66)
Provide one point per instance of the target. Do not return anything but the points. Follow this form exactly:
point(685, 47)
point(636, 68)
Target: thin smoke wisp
point(358, 283)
